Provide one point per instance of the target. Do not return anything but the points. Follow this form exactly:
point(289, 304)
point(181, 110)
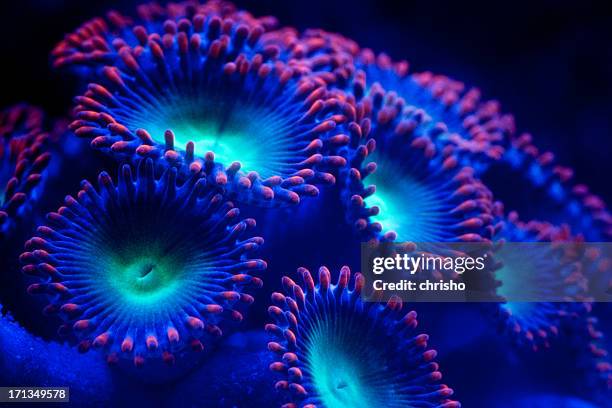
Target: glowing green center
point(408, 205)
point(254, 135)
point(346, 367)
point(145, 279)
point(339, 379)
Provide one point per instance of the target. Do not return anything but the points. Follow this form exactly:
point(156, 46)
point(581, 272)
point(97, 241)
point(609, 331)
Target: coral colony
point(337, 351)
point(199, 112)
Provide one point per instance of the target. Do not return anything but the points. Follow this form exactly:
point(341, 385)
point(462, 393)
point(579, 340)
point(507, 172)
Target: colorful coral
point(145, 268)
point(335, 350)
point(24, 156)
point(330, 146)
